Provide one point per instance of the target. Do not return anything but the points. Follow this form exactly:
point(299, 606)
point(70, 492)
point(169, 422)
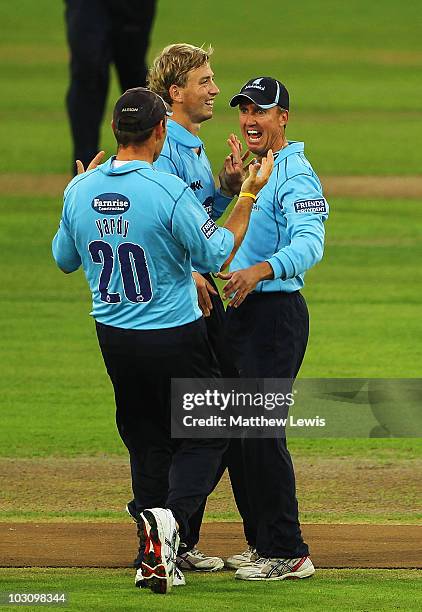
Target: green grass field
point(353, 73)
point(345, 590)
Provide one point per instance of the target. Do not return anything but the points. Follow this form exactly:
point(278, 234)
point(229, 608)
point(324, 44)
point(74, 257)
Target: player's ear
point(175, 93)
point(283, 117)
point(160, 129)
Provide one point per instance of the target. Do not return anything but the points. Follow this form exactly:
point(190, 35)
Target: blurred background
point(353, 72)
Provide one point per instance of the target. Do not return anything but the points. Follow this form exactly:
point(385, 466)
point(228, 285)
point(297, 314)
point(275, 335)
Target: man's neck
point(279, 146)
point(182, 119)
point(135, 154)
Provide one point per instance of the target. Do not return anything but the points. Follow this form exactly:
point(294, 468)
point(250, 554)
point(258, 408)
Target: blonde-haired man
point(181, 74)
point(172, 65)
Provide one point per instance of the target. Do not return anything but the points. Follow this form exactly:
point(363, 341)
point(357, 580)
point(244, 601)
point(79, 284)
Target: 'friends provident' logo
point(110, 204)
point(311, 206)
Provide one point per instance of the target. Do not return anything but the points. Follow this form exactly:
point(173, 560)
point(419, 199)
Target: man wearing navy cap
point(135, 231)
point(268, 319)
point(182, 75)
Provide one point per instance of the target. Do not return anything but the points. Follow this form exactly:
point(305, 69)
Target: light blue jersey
point(134, 230)
point(287, 223)
point(179, 157)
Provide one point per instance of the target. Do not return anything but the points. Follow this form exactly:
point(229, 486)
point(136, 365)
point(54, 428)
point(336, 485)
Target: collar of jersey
point(136, 164)
point(182, 136)
point(294, 147)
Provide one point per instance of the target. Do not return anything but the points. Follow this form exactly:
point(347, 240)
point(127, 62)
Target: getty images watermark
point(230, 402)
point(235, 408)
point(266, 408)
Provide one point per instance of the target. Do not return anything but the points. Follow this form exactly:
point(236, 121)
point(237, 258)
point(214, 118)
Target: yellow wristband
point(245, 194)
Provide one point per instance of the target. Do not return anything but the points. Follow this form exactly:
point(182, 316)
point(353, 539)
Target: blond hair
point(172, 65)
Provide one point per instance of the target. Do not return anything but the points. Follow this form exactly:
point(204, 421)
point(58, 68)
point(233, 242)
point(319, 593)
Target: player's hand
point(233, 174)
point(254, 182)
point(93, 164)
point(204, 289)
point(242, 282)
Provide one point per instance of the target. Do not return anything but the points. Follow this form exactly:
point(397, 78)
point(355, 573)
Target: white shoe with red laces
point(159, 540)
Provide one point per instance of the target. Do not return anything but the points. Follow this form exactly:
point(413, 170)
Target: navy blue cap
point(139, 109)
point(265, 92)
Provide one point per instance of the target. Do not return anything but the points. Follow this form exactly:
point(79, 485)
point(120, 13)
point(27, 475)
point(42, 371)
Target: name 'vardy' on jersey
point(136, 242)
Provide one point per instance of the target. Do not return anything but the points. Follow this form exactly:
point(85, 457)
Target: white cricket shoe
point(276, 569)
point(240, 560)
point(194, 560)
point(160, 541)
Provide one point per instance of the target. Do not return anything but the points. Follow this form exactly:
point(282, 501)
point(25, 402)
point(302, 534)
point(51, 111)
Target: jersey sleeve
point(209, 245)
point(63, 247)
point(220, 204)
point(305, 210)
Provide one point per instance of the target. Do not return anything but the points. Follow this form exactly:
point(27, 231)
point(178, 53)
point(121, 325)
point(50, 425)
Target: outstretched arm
point(238, 221)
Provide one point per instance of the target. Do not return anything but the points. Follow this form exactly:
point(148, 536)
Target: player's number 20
point(133, 270)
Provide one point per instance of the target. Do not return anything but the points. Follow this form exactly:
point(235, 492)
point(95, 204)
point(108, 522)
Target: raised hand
point(93, 164)
point(233, 173)
point(254, 182)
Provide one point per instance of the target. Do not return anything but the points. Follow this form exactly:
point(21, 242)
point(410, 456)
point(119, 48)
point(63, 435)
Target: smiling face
point(262, 129)
point(196, 98)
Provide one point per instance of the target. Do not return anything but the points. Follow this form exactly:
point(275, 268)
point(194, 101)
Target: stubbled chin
point(205, 115)
point(254, 147)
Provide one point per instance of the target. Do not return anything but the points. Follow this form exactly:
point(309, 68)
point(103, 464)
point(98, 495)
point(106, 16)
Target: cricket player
point(268, 323)
point(135, 231)
point(183, 76)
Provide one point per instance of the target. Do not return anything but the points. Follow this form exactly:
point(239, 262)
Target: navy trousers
point(173, 473)
point(268, 334)
point(232, 459)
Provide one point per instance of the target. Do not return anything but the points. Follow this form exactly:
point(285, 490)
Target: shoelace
point(261, 561)
point(248, 552)
point(197, 553)
point(288, 563)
